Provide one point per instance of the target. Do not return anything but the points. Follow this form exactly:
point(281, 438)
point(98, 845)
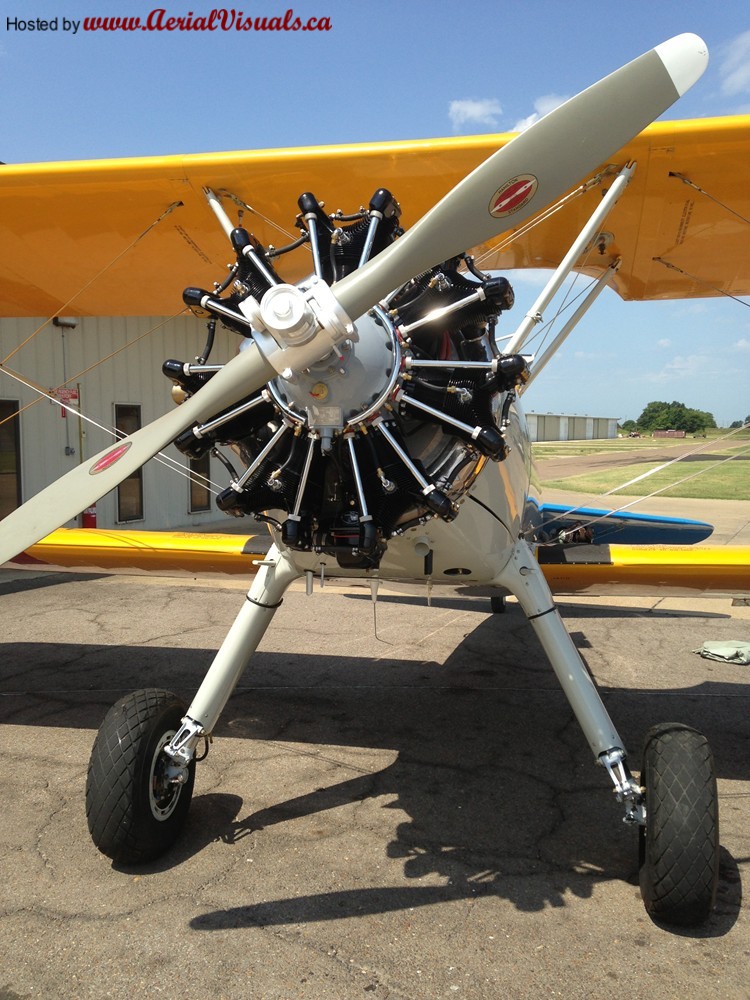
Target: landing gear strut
point(675, 806)
point(143, 762)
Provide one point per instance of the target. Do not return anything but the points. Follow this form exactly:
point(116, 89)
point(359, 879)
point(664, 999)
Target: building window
point(200, 474)
point(10, 457)
point(130, 490)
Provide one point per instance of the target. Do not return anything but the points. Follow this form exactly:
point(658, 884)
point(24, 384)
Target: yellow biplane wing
point(123, 237)
point(597, 570)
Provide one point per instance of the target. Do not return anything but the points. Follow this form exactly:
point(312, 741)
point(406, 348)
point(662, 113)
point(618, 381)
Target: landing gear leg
point(523, 576)
point(677, 812)
point(142, 767)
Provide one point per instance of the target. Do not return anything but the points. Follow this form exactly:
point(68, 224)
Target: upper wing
point(682, 229)
point(83, 237)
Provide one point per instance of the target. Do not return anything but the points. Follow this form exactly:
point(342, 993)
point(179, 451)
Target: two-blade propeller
point(517, 181)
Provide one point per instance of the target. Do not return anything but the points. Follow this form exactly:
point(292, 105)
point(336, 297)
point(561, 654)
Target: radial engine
point(392, 427)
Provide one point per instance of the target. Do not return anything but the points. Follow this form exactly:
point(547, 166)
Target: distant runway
point(563, 466)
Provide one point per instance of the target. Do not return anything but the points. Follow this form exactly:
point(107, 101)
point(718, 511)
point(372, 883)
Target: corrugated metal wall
point(133, 349)
point(563, 427)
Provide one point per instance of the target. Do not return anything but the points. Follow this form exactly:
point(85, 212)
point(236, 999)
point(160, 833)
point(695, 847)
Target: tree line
point(662, 416)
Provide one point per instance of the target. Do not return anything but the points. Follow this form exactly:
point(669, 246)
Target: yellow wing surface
point(83, 237)
point(595, 570)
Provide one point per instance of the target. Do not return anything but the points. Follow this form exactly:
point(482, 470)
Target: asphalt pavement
point(398, 803)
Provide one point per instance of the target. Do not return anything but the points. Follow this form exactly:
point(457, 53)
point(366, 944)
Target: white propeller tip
point(685, 58)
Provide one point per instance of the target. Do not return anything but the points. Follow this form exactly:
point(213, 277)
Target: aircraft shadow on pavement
point(568, 610)
point(493, 789)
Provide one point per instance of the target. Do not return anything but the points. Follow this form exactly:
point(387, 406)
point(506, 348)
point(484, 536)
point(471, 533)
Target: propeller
point(533, 169)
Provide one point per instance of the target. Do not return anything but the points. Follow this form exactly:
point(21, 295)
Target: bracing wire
point(85, 371)
point(90, 282)
point(160, 457)
point(645, 475)
point(243, 205)
point(505, 241)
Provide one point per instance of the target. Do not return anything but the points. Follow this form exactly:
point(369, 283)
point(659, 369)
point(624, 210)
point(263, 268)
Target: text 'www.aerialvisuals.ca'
point(159, 20)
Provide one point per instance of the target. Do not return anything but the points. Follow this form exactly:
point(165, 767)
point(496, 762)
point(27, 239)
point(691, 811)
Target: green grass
point(717, 480)
point(565, 449)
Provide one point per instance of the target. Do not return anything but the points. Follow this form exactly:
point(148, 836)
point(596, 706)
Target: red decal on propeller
point(108, 460)
point(514, 194)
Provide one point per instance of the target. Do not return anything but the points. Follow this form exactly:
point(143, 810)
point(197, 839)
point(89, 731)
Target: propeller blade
point(85, 484)
point(535, 168)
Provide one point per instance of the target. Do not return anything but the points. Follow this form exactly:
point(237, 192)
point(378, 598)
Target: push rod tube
point(218, 209)
point(229, 227)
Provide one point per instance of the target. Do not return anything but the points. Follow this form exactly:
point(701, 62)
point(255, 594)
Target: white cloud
point(475, 112)
point(542, 106)
point(685, 367)
point(735, 67)
point(664, 342)
point(486, 112)
point(743, 344)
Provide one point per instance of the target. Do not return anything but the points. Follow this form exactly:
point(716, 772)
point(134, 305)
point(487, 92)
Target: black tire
point(133, 813)
point(497, 604)
point(679, 846)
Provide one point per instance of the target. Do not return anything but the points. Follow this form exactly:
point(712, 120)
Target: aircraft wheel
point(134, 812)
point(679, 846)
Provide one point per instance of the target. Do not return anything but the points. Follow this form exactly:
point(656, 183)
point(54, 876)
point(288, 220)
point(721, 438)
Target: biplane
point(373, 410)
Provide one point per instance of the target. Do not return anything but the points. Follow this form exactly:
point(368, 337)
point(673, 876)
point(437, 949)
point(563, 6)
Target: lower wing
point(588, 569)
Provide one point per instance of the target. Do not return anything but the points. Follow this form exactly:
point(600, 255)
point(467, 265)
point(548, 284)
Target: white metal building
point(39, 442)
point(569, 427)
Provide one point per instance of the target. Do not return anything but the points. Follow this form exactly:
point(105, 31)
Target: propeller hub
point(350, 384)
point(285, 312)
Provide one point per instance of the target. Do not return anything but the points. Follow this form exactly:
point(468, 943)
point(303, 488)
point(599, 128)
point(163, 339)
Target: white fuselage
point(471, 549)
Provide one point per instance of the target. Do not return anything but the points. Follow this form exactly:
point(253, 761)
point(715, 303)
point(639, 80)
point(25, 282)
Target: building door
point(10, 457)
point(200, 477)
point(130, 490)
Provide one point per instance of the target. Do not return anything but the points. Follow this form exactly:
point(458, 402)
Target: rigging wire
point(687, 274)
point(85, 371)
point(662, 489)
point(700, 281)
point(254, 211)
point(669, 486)
point(161, 457)
point(544, 330)
point(167, 211)
point(700, 190)
point(504, 242)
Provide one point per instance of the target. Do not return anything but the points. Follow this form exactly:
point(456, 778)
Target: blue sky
point(393, 70)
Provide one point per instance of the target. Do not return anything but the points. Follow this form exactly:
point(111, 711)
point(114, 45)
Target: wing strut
point(589, 231)
point(592, 294)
